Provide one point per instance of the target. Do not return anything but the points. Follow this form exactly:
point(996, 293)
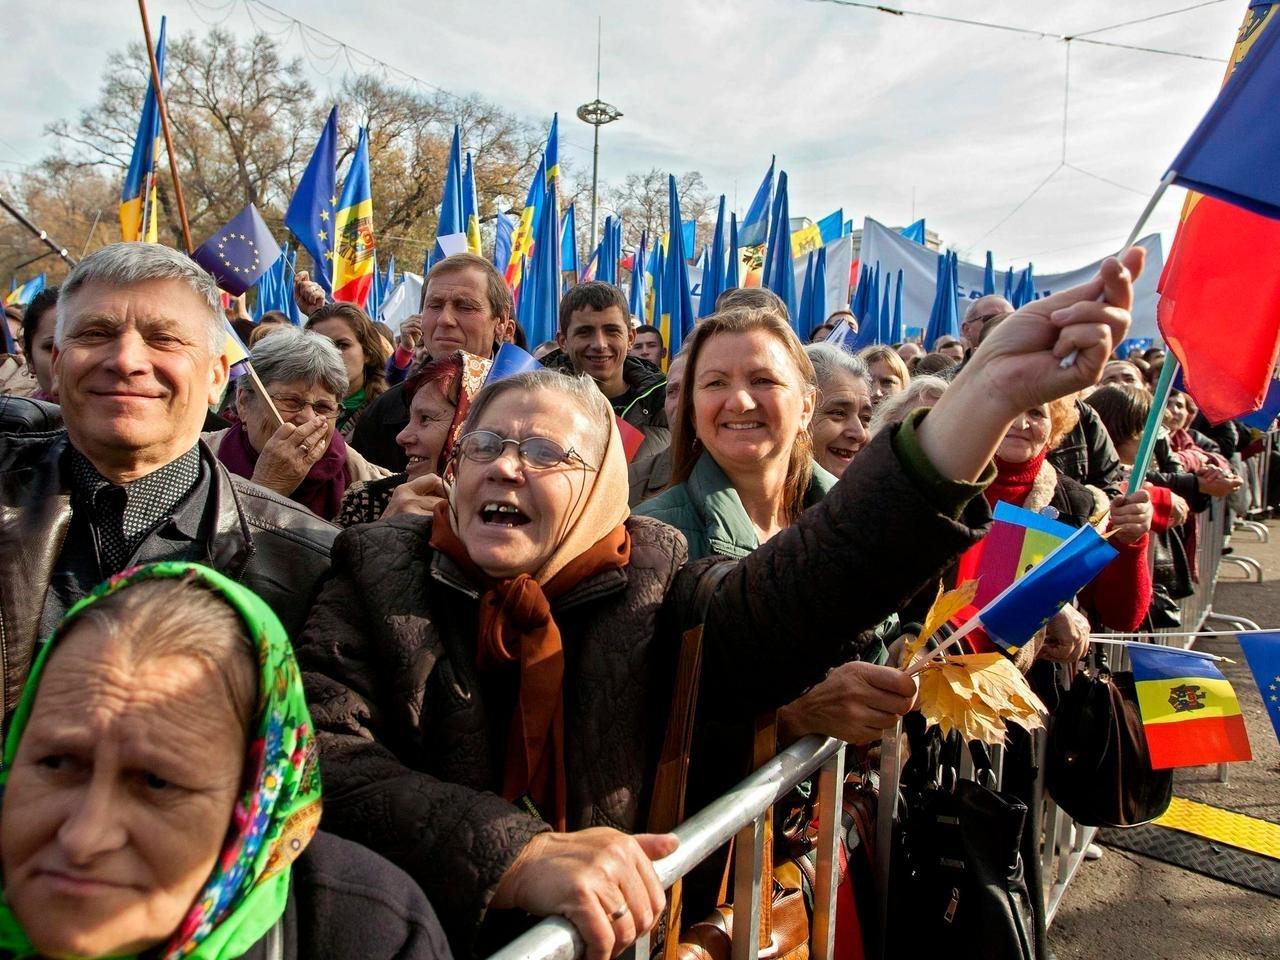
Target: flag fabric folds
point(843, 335)
point(509, 361)
point(779, 272)
point(240, 253)
point(313, 208)
point(539, 304)
point(569, 245)
point(522, 240)
point(675, 311)
point(24, 294)
point(914, 232)
point(502, 242)
point(895, 330)
point(735, 256)
point(1220, 275)
point(1026, 289)
point(831, 226)
point(989, 276)
point(1262, 651)
point(636, 297)
point(138, 195)
point(453, 217)
point(1267, 413)
point(1190, 714)
point(1019, 539)
point(944, 318)
point(353, 261)
point(713, 276)
point(1026, 605)
point(755, 227)
point(471, 208)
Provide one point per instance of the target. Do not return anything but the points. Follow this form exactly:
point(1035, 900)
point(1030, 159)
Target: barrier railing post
point(890, 781)
point(748, 849)
point(831, 806)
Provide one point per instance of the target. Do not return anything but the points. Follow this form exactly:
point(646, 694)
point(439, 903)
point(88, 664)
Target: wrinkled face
point(1120, 372)
point(671, 399)
point(135, 373)
point(648, 346)
point(597, 342)
point(344, 338)
point(424, 436)
point(884, 382)
point(1026, 437)
point(120, 797)
point(298, 403)
point(840, 423)
point(749, 401)
point(41, 358)
point(511, 516)
point(1175, 411)
point(456, 315)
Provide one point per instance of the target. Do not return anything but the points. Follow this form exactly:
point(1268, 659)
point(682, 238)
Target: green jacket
point(706, 509)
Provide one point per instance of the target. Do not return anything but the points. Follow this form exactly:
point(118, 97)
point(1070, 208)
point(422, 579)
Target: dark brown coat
point(413, 736)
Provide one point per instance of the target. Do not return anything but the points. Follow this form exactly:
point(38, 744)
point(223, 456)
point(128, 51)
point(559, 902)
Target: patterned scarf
point(276, 815)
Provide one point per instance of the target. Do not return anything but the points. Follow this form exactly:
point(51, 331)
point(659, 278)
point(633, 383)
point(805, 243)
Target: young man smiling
point(595, 337)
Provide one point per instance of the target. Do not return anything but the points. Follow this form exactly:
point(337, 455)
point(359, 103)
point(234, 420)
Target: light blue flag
point(989, 277)
point(820, 289)
point(569, 242)
point(1008, 285)
point(509, 361)
point(676, 316)
point(1026, 290)
point(914, 232)
point(755, 227)
point(896, 333)
point(805, 320)
point(886, 316)
point(453, 218)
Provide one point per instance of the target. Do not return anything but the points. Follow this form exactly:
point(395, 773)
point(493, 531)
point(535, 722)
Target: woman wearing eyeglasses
point(305, 458)
point(491, 684)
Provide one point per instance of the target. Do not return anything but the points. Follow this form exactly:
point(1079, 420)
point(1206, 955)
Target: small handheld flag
point(240, 253)
point(24, 294)
point(1190, 714)
point(1262, 650)
point(509, 361)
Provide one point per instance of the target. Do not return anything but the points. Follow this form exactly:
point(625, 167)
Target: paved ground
point(1131, 907)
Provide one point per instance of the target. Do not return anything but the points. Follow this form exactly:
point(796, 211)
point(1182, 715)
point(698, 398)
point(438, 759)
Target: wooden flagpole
point(164, 126)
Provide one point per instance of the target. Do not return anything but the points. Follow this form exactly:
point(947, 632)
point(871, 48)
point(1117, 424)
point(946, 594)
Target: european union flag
point(1262, 650)
point(314, 205)
point(240, 253)
point(1026, 605)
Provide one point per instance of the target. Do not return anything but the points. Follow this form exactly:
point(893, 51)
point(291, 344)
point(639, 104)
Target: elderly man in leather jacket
point(137, 361)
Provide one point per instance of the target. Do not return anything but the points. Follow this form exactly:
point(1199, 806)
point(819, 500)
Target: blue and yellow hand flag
point(312, 211)
point(353, 260)
point(138, 195)
point(25, 293)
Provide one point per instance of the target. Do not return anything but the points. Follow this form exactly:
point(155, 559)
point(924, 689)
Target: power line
point(1154, 16)
point(1025, 31)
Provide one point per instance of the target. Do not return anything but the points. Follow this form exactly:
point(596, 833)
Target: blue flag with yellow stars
point(314, 205)
point(240, 253)
point(1262, 650)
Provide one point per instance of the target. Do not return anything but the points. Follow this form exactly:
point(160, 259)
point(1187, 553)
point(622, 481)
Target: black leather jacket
point(275, 547)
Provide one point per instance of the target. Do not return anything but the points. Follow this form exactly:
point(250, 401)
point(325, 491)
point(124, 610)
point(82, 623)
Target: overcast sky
point(886, 116)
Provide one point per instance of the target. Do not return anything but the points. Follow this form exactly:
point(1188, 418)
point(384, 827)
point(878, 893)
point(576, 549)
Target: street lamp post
point(597, 113)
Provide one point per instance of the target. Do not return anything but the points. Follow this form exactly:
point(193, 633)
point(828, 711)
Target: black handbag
point(958, 887)
point(1098, 769)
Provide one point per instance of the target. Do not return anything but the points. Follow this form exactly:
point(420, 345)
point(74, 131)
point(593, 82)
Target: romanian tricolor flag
point(138, 195)
point(1190, 714)
point(1220, 291)
point(353, 261)
point(522, 239)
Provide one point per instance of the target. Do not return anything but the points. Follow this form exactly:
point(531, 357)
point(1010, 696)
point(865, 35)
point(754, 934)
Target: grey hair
point(122, 264)
point(580, 389)
point(895, 409)
point(289, 354)
point(828, 360)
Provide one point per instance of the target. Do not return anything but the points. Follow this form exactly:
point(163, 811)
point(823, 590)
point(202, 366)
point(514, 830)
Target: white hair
point(828, 360)
point(290, 354)
point(895, 409)
point(124, 264)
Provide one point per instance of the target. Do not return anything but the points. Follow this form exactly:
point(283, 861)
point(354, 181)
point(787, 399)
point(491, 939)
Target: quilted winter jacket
point(413, 737)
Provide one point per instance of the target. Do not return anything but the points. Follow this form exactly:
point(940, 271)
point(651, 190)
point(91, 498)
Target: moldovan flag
point(1220, 291)
point(353, 261)
point(1190, 714)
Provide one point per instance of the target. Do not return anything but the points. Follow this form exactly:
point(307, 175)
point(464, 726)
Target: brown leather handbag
point(784, 919)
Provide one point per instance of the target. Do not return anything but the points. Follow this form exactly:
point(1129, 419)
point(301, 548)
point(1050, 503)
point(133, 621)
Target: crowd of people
point(367, 654)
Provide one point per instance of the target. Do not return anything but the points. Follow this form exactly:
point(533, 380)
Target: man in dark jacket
point(137, 360)
point(466, 305)
point(595, 337)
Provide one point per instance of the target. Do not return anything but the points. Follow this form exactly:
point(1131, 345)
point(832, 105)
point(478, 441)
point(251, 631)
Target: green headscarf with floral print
point(276, 815)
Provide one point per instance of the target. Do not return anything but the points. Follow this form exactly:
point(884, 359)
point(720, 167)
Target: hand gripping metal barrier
point(1064, 843)
point(739, 813)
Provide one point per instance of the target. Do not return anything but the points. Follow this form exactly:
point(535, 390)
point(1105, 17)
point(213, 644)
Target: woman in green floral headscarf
point(160, 785)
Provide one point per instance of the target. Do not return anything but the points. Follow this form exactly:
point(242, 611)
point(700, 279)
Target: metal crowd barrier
point(739, 813)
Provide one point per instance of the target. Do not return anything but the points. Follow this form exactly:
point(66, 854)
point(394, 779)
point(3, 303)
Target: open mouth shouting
point(494, 513)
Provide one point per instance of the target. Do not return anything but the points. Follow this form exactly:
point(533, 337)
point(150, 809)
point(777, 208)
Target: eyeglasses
point(290, 403)
point(539, 453)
